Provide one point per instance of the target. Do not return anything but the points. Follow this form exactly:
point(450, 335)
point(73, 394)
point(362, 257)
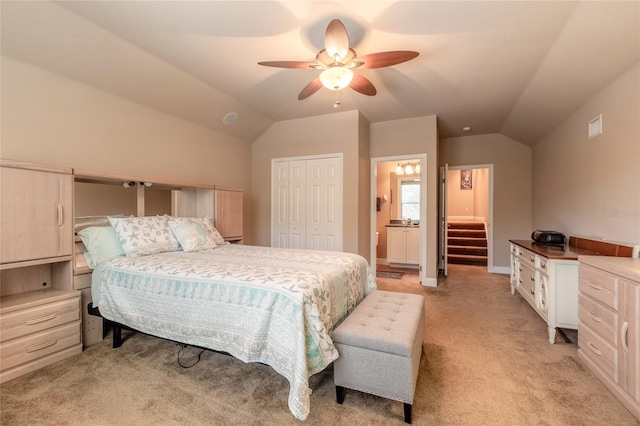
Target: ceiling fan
point(337, 60)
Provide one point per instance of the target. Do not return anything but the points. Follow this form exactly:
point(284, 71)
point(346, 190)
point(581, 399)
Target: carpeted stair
point(467, 243)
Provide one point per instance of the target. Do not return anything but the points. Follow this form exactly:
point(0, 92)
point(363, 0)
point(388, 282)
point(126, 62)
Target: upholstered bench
point(379, 346)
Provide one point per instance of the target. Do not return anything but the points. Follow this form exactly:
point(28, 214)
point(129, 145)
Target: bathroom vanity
point(403, 244)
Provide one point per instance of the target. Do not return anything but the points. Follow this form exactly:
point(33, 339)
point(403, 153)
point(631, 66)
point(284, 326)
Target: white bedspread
point(260, 304)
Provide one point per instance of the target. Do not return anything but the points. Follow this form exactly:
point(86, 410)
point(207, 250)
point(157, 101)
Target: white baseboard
point(431, 282)
point(500, 270)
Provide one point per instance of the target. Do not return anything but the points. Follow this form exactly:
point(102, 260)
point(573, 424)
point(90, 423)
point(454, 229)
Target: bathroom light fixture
point(147, 184)
point(408, 168)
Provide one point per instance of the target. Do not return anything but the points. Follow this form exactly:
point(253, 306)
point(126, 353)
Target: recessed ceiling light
point(466, 129)
point(230, 118)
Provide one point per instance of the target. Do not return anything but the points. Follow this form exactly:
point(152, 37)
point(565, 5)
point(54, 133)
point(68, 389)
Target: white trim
point(430, 282)
point(307, 157)
point(500, 270)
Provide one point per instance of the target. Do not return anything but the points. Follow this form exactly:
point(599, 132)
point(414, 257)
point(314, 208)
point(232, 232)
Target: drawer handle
point(595, 286)
point(532, 258)
point(625, 336)
point(42, 345)
point(520, 280)
point(594, 349)
point(43, 318)
point(520, 269)
point(533, 277)
point(532, 291)
point(543, 265)
point(595, 317)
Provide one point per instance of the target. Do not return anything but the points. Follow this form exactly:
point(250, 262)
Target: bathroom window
point(410, 199)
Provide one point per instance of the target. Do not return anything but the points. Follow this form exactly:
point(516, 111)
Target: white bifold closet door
point(306, 207)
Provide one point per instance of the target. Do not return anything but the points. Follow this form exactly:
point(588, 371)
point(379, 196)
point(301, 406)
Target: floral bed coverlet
point(260, 304)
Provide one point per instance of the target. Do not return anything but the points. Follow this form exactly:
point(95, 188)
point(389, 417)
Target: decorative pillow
point(140, 236)
point(191, 234)
point(208, 225)
point(102, 244)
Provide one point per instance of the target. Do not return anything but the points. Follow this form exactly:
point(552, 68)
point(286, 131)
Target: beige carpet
point(486, 361)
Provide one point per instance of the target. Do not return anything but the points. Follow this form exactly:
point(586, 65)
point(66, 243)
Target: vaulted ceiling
point(513, 67)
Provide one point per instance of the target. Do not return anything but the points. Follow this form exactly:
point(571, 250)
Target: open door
point(443, 219)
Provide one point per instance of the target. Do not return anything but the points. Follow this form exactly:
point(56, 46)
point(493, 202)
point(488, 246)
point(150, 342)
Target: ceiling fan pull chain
point(337, 103)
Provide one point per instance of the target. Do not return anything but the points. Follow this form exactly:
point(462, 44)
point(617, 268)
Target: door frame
point(422, 158)
point(490, 267)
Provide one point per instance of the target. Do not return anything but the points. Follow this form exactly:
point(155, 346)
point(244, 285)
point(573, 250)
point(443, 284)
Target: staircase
point(467, 243)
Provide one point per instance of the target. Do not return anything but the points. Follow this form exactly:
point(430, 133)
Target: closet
point(306, 202)
point(39, 310)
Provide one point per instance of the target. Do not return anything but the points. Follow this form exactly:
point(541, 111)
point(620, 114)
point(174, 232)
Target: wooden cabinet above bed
point(37, 212)
point(228, 214)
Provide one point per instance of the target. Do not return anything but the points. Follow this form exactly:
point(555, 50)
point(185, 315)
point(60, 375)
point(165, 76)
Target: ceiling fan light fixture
point(336, 78)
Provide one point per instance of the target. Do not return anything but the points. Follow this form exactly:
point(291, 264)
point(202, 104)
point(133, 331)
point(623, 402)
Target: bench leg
point(339, 394)
point(407, 413)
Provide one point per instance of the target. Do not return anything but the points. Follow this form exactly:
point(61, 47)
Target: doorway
point(466, 216)
point(398, 210)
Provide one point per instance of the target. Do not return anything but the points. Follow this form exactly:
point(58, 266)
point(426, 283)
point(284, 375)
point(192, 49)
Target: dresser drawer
point(37, 345)
point(598, 318)
point(23, 322)
point(599, 285)
point(602, 353)
point(542, 264)
point(527, 257)
point(527, 282)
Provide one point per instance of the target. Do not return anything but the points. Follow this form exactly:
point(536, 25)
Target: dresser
point(39, 310)
point(547, 278)
point(609, 333)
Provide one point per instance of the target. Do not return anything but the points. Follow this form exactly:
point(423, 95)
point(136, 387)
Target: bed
point(259, 304)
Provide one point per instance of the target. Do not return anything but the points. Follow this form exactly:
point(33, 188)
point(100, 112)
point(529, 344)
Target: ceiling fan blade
point(363, 85)
point(336, 40)
point(287, 64)
point(386, 59)
point(310, 89)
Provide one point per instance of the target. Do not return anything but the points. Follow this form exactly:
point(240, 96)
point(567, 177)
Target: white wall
point(49, 119)
point(511, 184)
point(326, 134)
point(591, 187)
point(407, 137)
point(471, 204)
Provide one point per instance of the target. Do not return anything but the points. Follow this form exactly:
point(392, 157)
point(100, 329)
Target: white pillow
point(102, 244)
point(191, 234)
point(208, 224)
point(140, 236)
